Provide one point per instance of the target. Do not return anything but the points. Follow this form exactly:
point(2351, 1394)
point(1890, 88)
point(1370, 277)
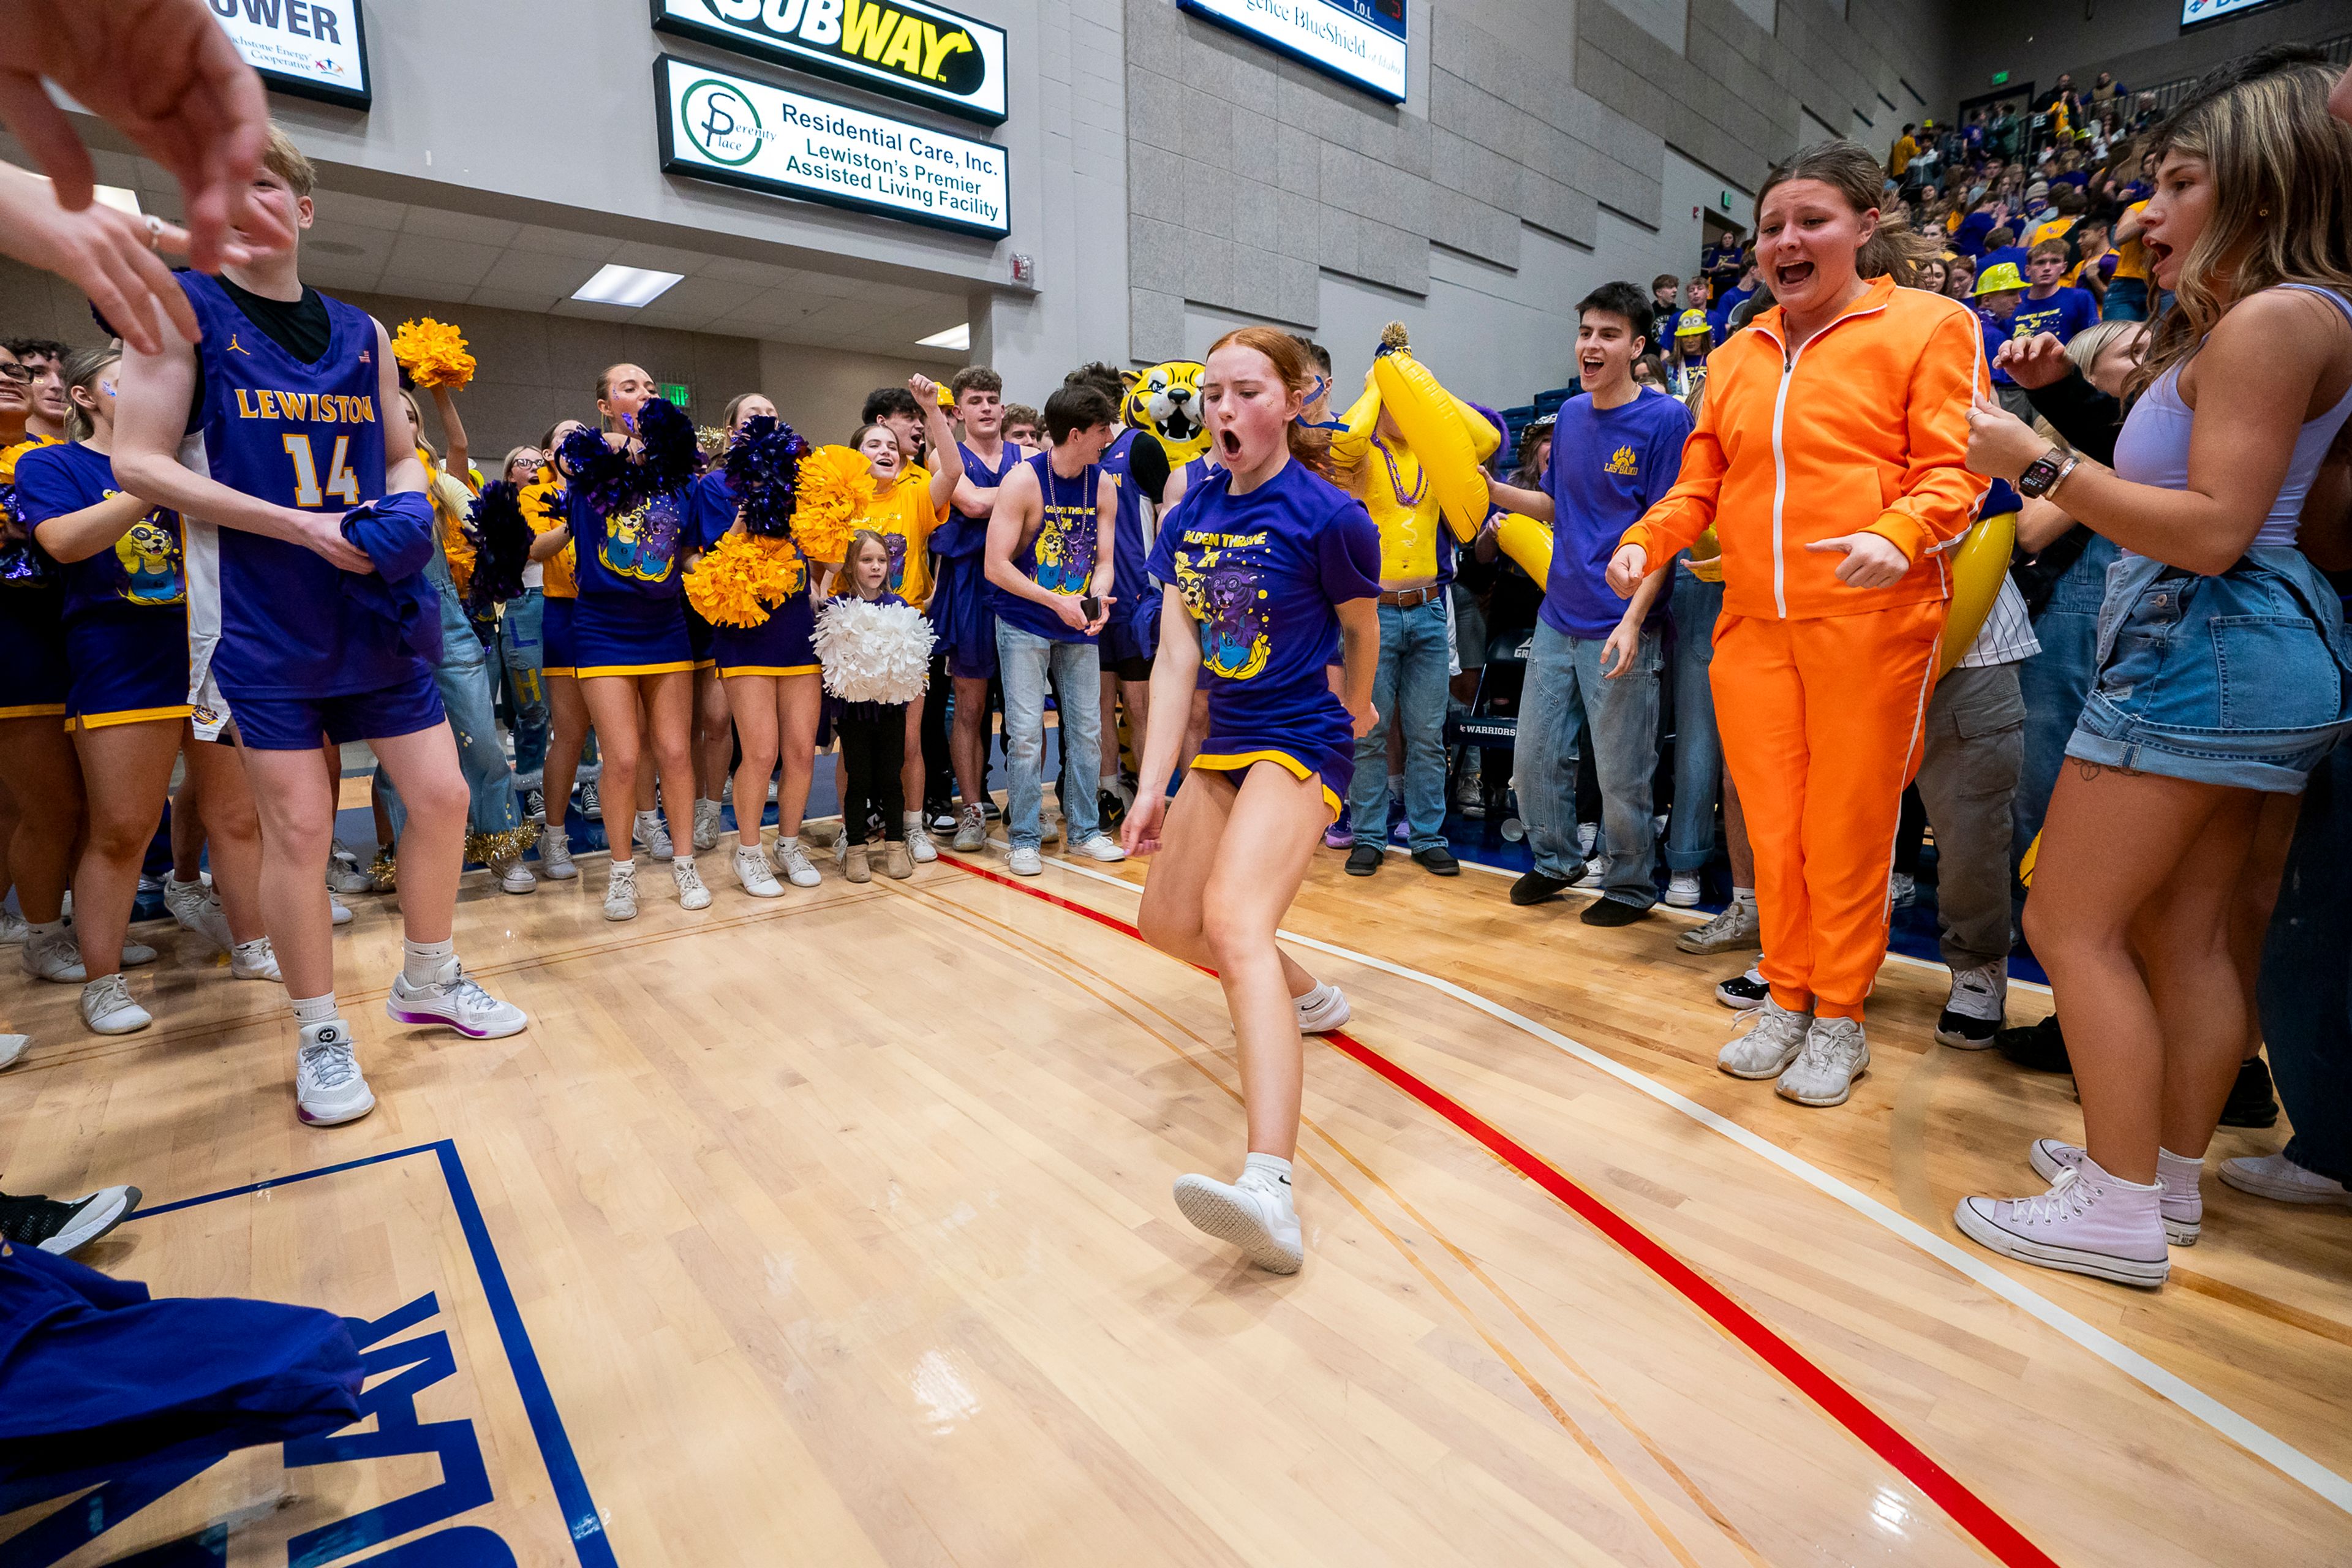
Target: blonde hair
point(858, 541)
point(284, 160)
point(2282, 173)
point(604, 386)
point(1853, 171)
point(1299, 372)
point(82, 370)
point(537, 454)
point(2084, 348)
point(417, 423)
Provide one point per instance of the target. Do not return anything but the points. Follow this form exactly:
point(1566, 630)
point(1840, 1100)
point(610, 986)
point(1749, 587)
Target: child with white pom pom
point(875, 663)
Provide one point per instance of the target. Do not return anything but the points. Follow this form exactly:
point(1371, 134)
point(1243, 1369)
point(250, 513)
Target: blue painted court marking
point(580, 1515)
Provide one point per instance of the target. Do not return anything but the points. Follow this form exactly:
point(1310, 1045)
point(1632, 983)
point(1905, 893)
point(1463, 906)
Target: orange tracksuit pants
point(1820, 721)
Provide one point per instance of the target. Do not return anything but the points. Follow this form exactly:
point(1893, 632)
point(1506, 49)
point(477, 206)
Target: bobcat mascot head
point(1166, 401)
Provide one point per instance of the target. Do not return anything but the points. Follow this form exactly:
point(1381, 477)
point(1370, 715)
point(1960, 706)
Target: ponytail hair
point(1851, 170)
point(82, 370)
point(1299, 372)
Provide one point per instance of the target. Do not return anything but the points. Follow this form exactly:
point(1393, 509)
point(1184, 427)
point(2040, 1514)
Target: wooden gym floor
point(835, 1229)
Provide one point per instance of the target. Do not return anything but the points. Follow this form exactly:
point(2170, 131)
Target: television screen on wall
point(1362, 42)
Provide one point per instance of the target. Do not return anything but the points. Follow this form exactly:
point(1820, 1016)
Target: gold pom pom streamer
point(433, 354)
point(739, 579)
point(836, 487)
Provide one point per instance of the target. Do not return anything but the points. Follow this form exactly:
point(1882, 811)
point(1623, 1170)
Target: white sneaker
point(107, 1009)
point(691, 893)
point(706, 824)
point(2088, 1223)
point(56, 957)
point(555, 857)
point(198, 909)
point(456, 1000)
point(344, 872)
point(1026, 861)
point(514, 876)
point(1588, 834)
point(135, 953)
point(2279, 1179)
point(1682, 889)
point(14, 929)
point(621, 892)
point(1836, 1053)
point(1974, 1011)
point(1098, 847)
point(918, 840)
point(1254, 1213)
point(254, 960)
point(971, 829)
point(1769, 1044)
point(328, 1085)
point(1902, 889)
point(1737, 927)
point(2182, 1205)
point(13, 1047)
point(753, 871)
point(651, 835)
point(1322, 1010)
point(338, 910)
point(792, 863)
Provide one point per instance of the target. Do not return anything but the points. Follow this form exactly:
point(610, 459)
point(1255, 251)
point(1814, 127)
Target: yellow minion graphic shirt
point(144, 571)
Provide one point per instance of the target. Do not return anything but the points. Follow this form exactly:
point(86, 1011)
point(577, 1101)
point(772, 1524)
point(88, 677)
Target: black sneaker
point(534, 804)
point(1109, 809)
point(2037, 1047)
point(2250, 1102)
point(61, 1228)
point(1963, 1033)
point(1438, 861)
point(1613, 912)
point(1364, 859)
point(1744, 991)
point(1534, 887)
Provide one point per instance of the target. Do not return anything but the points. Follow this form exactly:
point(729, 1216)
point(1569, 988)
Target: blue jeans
point(2054, 684)
point(1698, 750)
point(464, 677)
point(524, 654)
point(1024, 661)
point(1409, 691)
point(2306, 990)
point(2126, 300)
point(1567, 696)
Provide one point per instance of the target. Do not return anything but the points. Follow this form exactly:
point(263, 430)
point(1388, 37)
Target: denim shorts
point(2242, 680)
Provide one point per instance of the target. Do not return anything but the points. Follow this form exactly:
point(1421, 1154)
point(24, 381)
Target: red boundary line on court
point(1841, 1404)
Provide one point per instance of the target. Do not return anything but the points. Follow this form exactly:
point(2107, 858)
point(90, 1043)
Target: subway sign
point(907, 48)
point(737, 130)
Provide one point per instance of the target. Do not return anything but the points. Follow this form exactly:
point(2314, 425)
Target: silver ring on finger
point(155, 233)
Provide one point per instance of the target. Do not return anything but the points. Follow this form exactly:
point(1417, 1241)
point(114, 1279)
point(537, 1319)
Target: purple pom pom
point(501, 539)
point(762, 466)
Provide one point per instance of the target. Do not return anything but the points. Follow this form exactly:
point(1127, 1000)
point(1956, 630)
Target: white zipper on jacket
point(1779, 467)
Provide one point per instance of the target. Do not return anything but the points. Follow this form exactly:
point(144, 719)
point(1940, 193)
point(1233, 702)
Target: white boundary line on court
point(2257, 1440)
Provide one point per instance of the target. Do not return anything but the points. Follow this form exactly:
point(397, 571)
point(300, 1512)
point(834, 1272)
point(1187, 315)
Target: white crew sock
point(252, 952)
point(47, 928)
point(309, 1010)
point(1273, 1168)
point(173, 884)
point(423, 963)
point(912, 819)
point(2179, 1174)
point(681, 860)
point(1744, 896)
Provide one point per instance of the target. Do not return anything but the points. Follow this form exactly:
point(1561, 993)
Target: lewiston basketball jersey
point(268, 618)
point(1061, 558)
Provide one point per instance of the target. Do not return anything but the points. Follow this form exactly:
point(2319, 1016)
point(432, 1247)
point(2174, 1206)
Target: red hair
point(1299, 372)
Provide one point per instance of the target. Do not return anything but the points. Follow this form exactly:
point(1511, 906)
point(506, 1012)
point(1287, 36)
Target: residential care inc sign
point(906, 48)
point(1362, 42)
point(737, 131)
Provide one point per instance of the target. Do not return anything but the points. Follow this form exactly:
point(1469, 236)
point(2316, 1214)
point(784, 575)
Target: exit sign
point(2000, 78)
point(1727, 201)
point(678, 392)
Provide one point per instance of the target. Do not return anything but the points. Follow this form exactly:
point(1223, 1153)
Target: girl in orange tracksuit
point(1828, 457)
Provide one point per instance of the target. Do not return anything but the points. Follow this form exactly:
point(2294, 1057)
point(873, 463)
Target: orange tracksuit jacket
point(1820, 688)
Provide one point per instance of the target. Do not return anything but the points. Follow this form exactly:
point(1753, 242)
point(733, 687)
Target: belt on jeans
point(1406, 599)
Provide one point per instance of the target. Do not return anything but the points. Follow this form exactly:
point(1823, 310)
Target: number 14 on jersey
point(341, 481)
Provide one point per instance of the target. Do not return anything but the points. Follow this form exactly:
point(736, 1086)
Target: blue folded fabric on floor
point(95, 1374)
point(396, 532)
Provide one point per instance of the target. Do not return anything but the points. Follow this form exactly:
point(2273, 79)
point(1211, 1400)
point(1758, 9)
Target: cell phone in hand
point(1090, 606)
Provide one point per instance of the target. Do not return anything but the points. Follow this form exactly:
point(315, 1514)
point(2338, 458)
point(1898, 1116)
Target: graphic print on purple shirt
point(1608, 467)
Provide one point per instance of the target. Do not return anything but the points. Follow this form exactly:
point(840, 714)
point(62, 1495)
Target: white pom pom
point(874, 653)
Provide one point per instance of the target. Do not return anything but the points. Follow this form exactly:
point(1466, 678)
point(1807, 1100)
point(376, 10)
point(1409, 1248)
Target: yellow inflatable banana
point(1350, 444)
point(1527, 541)
point(1978, 568)
point(1439, 428)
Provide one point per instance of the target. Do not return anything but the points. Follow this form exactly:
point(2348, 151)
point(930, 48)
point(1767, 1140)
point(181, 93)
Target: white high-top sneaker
point(2183, 1205)
point(2088, 1223)
point(555, 857)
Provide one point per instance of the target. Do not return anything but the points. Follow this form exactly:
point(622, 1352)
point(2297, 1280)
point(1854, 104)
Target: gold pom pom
point(1392, 336)
point(433, 354)
point(836, 485)
point(739, 579)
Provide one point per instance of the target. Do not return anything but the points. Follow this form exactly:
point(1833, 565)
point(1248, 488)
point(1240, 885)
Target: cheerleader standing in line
point(523, 654)
point(37, 770)
point(126, 623)
point(1271, 571)
point(631, 642)
point(544, 507)
point(773, 688)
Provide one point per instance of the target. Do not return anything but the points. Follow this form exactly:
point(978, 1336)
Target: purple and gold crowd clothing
point(33, 676)
point(125, 608)
point(1060, 558)
point(1262, 576)
point(781, 645)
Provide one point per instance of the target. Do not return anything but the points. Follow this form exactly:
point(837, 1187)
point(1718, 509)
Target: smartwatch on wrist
point(2043, 473)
